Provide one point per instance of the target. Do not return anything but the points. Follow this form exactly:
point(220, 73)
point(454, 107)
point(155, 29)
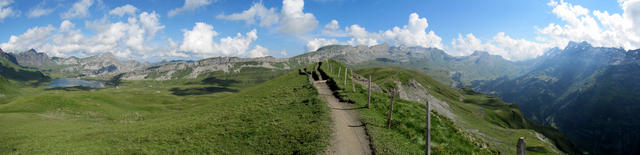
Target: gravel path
point(349, 136)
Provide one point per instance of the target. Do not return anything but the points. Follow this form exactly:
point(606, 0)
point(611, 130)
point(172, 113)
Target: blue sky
point(152, 30)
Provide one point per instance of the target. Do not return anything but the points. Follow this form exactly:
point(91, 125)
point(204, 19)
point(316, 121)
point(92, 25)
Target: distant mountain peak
point(31, 58)
point(107, 55)
point(480, 53)
point(8, 56)
point(573, 44)
point(32, 51)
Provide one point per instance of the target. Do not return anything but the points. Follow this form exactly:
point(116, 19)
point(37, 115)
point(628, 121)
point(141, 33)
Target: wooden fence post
point(522, 147)
point(428, 134)
point(393, 93)
point(317, 71)
point(345, 77)
point(353, 85)
point(369, 98)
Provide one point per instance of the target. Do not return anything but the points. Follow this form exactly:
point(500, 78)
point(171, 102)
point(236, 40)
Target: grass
point(406, 135)
point(483, 125)
point(280, 116)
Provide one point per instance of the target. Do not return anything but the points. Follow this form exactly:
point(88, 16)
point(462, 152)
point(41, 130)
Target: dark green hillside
point(15, 72)
point(607, 111)
point(589, 93)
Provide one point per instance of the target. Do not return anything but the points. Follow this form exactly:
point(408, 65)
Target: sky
point(155, 30)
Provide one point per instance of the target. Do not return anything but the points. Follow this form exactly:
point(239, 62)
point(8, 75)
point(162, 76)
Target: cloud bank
point(134, 37)
point(125, 39)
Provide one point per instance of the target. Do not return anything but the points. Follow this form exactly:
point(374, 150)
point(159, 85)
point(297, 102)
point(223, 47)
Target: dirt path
point(349, 136)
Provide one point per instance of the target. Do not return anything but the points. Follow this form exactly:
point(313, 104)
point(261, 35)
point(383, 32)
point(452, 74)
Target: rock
point(414, 91)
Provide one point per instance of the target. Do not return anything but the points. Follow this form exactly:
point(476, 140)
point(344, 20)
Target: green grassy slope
point(14, 72)
point(406, 135)
point(281, 116)
point(484, 119)
point(7, 90)
point(13, 76)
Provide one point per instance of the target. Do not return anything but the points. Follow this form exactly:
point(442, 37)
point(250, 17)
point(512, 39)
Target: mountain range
point(105, 64)
point(447, 69)
point(588, 93)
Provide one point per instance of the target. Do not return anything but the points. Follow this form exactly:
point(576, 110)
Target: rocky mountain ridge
point(451, 70)
point(194, 69)
point(105, 64)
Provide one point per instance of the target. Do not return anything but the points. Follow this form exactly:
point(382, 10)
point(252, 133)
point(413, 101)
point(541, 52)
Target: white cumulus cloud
point(127, 9)
point(199, 39)
point(258, 51)
point(360, 36)
point(267, 17)
point(313, 45)
point(600, 28)
point(200, 42)
point(80, 9)
point(66, 25)
point(333, 29)
point(36, 36)
point(128, 39)
point(5, 10)
point(501, 44)
point(292, 20)
point(189, 5)
point(468, 44)
point(412, 34)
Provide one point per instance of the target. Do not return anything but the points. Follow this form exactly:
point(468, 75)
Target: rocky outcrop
point(32, 58)
point(8, 56)
point(98, 65)
point(414, 91)
point(348, 54)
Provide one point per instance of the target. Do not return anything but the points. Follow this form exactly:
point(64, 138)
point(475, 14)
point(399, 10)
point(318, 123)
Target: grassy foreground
point(280, 116)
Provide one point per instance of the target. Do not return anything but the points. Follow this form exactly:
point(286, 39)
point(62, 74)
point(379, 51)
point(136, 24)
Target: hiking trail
point(349, 136)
